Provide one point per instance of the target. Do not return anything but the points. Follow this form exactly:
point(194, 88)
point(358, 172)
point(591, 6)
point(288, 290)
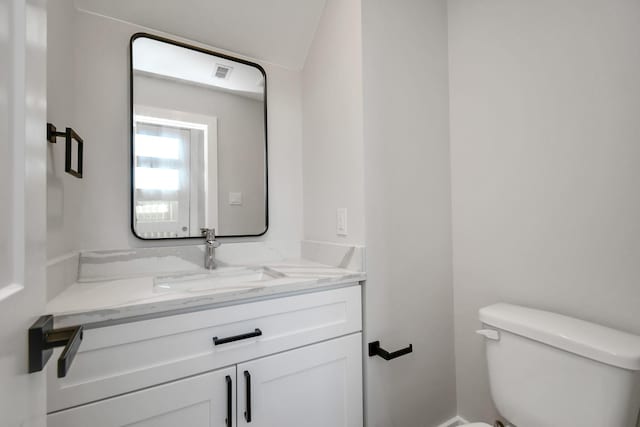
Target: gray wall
point(241, 149)
point(63, 190)
point(375, 126)
point(89, 90)
point(332, 125)
point(544, 160)
point(545, 154)
point(409, 296)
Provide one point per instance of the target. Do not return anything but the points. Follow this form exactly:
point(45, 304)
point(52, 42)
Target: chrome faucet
point(210, 248)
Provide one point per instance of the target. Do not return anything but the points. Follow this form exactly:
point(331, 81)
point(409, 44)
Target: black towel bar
point(69, 135)
point(43, 338)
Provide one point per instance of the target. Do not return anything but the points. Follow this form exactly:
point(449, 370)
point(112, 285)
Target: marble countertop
point(102, 302)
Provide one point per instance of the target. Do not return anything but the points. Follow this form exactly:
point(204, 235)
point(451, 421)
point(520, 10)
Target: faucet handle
point(208, 233)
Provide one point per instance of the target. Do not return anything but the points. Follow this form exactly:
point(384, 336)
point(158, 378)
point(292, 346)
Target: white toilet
point(548, 370)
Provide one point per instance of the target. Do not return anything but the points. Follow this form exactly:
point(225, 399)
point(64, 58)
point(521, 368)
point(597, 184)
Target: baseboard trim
point(453, 422)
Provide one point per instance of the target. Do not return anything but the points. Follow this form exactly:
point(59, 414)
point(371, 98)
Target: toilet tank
point(549, 370)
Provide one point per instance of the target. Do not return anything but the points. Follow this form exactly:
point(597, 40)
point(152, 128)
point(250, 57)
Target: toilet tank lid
point(606, 345)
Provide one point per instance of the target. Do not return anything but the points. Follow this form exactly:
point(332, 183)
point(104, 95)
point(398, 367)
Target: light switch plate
point(341, 222)
point(235, 198)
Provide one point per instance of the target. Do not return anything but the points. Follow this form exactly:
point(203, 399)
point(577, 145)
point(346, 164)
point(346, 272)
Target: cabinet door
point(200, 401)
point(315, 386)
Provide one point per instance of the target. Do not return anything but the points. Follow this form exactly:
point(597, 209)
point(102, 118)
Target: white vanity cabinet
point(205, 400)
point(314, 386)
point(303, 368)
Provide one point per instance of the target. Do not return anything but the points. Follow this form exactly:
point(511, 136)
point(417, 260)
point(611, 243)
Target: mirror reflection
point(198, 142)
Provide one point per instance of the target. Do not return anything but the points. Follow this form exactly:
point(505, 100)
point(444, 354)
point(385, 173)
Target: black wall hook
point(43, 338)
point(376, 350)
point(69, 135)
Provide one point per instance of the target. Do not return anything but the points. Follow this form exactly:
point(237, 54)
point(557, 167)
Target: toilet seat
point(476, 425)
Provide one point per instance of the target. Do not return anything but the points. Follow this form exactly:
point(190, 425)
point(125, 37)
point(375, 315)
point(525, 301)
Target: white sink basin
point(224, 279)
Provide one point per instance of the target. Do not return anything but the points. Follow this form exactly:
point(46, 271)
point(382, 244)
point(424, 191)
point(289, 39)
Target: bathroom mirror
point(198, 142)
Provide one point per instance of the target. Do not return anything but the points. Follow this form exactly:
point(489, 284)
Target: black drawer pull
point(229, 420)
point(247, 380)
point(218, 341)
point(376, 350)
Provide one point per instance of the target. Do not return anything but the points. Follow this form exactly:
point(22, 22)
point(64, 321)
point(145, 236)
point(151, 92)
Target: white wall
point(240, 145)
point(63, 190)
point(332, 125)
point(545, 166)
point(99, 218)
point(375, 126)
point(408, 212)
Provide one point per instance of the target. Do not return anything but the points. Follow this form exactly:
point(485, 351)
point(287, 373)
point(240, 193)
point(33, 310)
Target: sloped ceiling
point(275, 31)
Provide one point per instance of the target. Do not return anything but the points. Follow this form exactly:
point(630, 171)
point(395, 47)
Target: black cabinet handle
point(376, 350)
point(218, 341)
point(247, 380)
point(229, 420)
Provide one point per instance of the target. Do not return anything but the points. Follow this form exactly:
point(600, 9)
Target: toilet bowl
point(476, 425)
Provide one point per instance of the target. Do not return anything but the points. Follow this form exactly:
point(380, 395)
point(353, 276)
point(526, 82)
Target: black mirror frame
point(132, 136)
